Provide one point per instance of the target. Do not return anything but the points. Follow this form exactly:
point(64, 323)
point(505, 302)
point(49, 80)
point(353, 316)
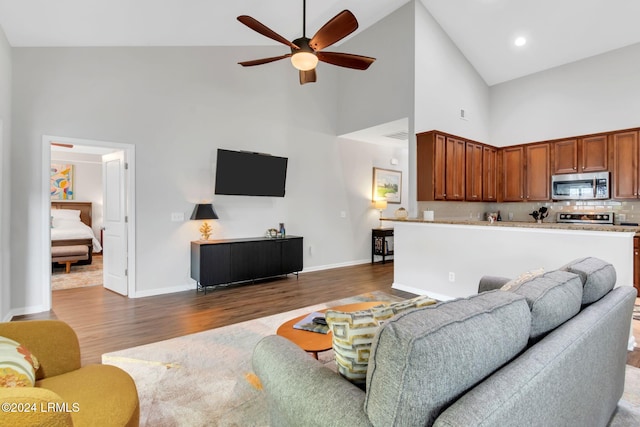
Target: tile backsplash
point(624, 211)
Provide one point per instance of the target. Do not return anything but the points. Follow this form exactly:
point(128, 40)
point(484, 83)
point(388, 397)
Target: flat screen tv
point(242, 173)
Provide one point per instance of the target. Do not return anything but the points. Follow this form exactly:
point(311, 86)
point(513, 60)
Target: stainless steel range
point(604, 218)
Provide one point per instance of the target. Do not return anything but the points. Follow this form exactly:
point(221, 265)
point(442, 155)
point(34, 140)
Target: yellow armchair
point(65, 393)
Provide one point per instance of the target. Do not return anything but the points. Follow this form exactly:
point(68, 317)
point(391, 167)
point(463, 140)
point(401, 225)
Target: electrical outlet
point(343, 214)
point(452, 276)
point(177, 216)
point(510, 216)
point(622, 217)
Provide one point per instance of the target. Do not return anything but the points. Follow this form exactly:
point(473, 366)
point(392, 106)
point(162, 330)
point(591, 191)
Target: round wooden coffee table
point(315, 342)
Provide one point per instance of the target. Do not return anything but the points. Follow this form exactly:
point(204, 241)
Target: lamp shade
point(204, 211)
point(380, 204)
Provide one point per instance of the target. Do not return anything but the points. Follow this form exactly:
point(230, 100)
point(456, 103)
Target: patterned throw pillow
point(17, 365)
point(353, 335)
point(514, 284)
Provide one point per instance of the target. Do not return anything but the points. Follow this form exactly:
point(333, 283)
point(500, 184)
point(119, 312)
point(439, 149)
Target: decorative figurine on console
point(540, 214)
point(205, 230)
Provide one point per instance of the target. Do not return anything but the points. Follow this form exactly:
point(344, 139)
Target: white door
point(114, 222)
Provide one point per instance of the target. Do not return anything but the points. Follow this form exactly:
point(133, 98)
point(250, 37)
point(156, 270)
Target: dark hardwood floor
point(105, 321)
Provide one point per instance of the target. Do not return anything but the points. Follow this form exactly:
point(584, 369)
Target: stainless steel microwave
point(580, 186)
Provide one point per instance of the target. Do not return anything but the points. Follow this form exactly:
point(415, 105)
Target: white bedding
point(63, 230)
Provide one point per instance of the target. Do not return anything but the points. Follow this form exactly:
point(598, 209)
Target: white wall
point(384, 92)
point(426, 253)
point(445, 82)
point(597, 94)
point(5, 178)
point(357, 177)
point(87, 169)
point(178, 105)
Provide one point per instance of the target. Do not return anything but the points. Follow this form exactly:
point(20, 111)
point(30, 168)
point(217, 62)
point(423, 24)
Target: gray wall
point(5, 179)
point(445, 83)
point(384, 92)
point(178, 105)
point(598, 94)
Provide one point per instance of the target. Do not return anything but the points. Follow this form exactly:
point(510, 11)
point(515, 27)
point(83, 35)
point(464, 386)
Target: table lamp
point(204, 211)
point(380, 205)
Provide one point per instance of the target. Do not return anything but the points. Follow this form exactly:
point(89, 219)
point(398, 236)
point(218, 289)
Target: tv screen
point(242, 173)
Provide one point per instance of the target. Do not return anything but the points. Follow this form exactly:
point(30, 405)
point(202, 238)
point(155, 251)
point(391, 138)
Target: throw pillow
point(353, 334)
point(17, 365)
point(524, 277)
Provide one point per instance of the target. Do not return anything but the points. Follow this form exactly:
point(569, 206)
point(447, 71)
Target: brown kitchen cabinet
point(625, 165)
point(594, 154)
point(525, 173)
point(454, 185)
point(474, 171)
point(537, 176)
point(565, 156)
point(440, 167)
point(513, 174)
point(589, 154)
point(489, 174)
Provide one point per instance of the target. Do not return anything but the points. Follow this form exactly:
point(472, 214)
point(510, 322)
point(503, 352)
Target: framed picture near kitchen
point(387, 185)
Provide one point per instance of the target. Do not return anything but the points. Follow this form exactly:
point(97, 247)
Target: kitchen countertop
point(548, 225)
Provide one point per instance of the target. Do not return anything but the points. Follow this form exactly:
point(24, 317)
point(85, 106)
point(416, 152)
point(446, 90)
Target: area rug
point(206, 379)
point(80, 275)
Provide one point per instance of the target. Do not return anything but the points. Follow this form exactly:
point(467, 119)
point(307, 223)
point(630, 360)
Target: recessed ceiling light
point(520, 41)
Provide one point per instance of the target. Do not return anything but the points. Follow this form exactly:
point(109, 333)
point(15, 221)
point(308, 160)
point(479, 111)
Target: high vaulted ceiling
point(557, 31)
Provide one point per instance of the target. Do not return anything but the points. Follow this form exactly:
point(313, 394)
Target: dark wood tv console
point(226, 261)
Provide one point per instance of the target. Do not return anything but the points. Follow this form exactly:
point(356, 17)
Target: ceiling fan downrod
point(304, 18)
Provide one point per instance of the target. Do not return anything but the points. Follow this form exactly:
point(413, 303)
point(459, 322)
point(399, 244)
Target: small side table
point(314, 342)
point(380, 243)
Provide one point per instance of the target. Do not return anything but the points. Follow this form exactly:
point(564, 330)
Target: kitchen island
point(445, 259)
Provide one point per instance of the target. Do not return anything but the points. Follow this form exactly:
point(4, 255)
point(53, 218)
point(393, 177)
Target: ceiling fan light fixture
point(304, 61)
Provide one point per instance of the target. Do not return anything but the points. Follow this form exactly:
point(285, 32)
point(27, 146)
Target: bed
point(71, 225)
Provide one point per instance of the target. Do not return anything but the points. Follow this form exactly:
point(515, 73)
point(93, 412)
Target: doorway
point(91, 149)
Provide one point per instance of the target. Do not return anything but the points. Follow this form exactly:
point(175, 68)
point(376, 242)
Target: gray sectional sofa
point(546, 350)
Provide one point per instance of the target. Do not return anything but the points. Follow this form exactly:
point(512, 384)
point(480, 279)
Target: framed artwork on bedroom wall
point(62, 182)
point(387, 185)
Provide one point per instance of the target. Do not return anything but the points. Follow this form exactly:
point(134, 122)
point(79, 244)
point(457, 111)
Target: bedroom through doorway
point(78, 173)
point(76, 215)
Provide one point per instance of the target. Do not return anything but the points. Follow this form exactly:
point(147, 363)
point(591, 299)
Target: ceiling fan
point(305, 52)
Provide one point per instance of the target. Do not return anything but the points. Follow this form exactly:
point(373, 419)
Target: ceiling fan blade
point(307, 76)
point(259, 27)
point(59, 144)
point(334, 30)
point(263, 60)
point(347, 60)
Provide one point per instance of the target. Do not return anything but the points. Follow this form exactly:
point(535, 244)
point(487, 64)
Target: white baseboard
point(417, 291)
point(22, 311)
point(163, 291)
point(330, 266)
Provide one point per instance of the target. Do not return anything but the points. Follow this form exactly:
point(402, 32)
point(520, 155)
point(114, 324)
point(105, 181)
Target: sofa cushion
point(424, 359)
point(598, 277)
point(97, 395)
point(353, 333)
point(17, 365)
point(553, 298)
